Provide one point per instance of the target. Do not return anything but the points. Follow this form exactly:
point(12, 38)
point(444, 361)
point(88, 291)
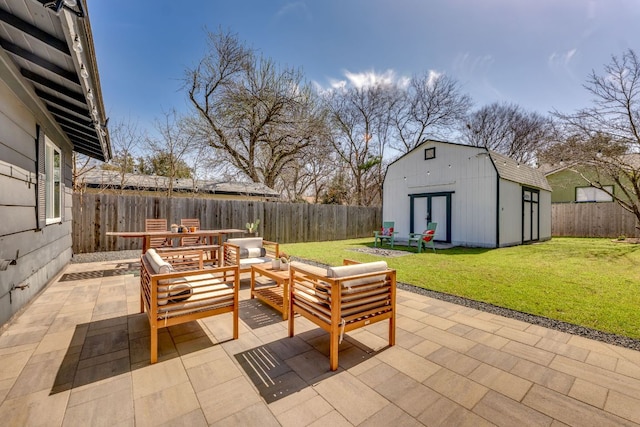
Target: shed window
point(592, 194)
point(430, 153)
point(53, 182)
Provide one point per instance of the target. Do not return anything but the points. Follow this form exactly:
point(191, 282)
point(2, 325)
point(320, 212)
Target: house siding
point(42, 252)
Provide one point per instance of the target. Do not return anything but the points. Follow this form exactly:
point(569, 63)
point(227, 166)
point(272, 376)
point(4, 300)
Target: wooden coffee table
point(277, 295)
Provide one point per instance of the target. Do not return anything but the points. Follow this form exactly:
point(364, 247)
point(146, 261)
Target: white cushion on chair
point(355, 269)
point(246, 242)
point(158, 265)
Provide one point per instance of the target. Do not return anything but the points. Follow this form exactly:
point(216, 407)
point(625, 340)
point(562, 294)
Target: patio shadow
point(288, 365)
point(110, 347)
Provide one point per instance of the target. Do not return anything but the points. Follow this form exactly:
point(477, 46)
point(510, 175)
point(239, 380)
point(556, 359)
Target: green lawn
point(588, 282)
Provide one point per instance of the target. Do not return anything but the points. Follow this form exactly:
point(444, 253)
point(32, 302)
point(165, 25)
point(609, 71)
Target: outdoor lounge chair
point(386, 233)
point(425, 238)
point(341, 299)
point(178, 292)
point(246, 251)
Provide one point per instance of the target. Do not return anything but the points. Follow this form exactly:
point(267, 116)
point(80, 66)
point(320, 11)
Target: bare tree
point(432, 104)
point(255, 115)
point(81, 165)
point(509, 130)
point(308, 177)
point(126, 139)
point(361, 120)
point(170, 148)
point(606, 136)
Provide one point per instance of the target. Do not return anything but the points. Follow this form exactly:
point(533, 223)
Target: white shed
point(479, 198)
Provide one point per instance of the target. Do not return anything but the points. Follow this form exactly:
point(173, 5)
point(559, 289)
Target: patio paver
point(79, 355)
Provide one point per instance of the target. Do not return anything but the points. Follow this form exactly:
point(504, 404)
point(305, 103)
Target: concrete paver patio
point(79, 356)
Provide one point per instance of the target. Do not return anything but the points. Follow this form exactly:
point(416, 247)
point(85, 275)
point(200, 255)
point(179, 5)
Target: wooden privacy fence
point(592, 220)
point(95, 214)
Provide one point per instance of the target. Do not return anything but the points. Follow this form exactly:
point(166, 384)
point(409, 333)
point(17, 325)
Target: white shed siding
point(471, 176)
point(545, 215)
point(510, 213)
point(463, 170)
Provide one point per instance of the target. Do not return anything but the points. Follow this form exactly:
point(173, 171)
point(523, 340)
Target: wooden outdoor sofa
point(175, 288)
point(247, 251)
point(341, 299)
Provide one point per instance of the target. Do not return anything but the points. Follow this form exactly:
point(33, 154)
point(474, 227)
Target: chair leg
point(333, 349)
point(154, 344)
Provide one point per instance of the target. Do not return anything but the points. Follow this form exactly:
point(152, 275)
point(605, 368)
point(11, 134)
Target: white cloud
point(297, 9)
point(467, 65)
point(370, 78)
point(433, 76)
point(562, 59)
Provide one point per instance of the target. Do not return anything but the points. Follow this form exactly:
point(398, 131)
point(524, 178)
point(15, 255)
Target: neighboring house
point(50, 105)
point(570, 185)
point(479, 198)
point(115, 182)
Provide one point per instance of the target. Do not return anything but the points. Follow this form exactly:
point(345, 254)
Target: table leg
point(253, 281)
point(285, 299)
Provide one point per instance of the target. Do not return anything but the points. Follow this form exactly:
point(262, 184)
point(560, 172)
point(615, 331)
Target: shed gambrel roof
point(511, 170)
point(506, 167)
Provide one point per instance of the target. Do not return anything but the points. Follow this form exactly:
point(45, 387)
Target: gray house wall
point(42, 252)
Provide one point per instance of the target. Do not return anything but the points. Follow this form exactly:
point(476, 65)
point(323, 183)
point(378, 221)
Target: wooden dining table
point(213, 237)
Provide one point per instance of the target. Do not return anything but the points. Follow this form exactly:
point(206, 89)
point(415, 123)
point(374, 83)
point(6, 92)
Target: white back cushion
point(156, 262)
point(247, 242)
point(355, 269)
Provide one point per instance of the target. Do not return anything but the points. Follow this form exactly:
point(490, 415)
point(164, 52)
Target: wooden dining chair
point(191, 241)
point(160, 224)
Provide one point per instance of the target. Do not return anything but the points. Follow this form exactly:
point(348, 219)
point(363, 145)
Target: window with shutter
point(49, 204)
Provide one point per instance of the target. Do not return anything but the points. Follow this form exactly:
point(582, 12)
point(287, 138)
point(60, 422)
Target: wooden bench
point(186, 291)
point(214, 252)
point(341, 299)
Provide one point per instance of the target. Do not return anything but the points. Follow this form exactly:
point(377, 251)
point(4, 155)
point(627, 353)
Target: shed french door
point(530, 215)
point(431, 207)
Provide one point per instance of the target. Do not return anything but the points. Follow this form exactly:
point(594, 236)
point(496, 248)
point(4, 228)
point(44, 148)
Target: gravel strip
point(558, 325)
point(105, 256)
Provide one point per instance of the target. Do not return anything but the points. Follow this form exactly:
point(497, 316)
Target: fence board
point(95, 214)
point(592, 220)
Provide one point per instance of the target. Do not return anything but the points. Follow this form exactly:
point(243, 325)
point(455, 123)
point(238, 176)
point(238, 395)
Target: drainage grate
point(121, 269)
point(84, 275)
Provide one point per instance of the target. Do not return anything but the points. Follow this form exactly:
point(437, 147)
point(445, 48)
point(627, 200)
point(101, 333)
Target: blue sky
point(534, 53)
